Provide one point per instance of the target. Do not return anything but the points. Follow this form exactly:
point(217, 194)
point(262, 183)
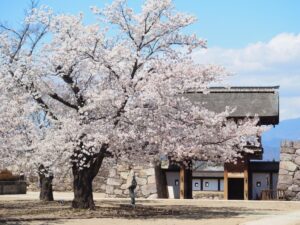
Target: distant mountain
point(285, 130)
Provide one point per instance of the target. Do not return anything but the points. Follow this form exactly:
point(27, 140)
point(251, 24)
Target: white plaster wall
point(198, 187)
point(212, 185)
point(222, 185)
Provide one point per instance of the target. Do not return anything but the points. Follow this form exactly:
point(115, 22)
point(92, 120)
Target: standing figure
point(131, 188)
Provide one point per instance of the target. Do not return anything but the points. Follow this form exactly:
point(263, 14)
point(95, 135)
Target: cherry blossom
point(114, 89)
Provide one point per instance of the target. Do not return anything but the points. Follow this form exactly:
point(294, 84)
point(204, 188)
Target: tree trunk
point(83, 189)
point(83, 181)
point(46, 191)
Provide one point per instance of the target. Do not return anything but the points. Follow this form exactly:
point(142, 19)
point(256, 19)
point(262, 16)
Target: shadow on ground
point(23, 212)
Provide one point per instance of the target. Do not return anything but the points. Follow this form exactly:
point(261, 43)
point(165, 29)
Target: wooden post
point(188, 184)
point(246, 183)
point(182, 182)
point(161, 182)
point(225, 183)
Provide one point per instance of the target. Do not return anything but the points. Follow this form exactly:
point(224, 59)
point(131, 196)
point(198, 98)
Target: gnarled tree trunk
point(83, 189)
point(46, 191)
point(83, 181)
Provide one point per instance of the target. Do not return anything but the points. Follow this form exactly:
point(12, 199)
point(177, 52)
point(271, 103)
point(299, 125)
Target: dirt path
point(292, 218)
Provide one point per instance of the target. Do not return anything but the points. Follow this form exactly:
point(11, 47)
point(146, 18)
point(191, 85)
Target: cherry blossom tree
point(115, 89)
point(16, 129)
point(23, 137)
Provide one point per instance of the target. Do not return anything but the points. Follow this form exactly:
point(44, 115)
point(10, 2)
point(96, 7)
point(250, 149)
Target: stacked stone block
point(289, 170)
point(114, 182)
point(120, 178)
point(65, 182)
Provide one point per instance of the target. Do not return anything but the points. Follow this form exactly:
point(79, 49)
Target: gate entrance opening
point(235, 188)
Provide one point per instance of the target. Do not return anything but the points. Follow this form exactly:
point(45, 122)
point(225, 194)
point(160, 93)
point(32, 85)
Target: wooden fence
point(272, 195)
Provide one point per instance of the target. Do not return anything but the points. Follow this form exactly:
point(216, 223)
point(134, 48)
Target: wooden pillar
point(246, 184)
point(201, 181)
point(250, 185)
point(161, 182)
point(181, 183)
point(225, 183)
point(186, 187)
point(188, 184)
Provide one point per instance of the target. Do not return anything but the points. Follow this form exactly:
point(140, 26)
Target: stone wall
point(289, 170)
point(64, 183)
point(12, 187)
point(114, 182)
point(120, 177)
point(215, 195)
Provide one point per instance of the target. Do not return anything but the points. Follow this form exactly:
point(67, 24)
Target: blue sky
point(257, 40)
point(224, 23)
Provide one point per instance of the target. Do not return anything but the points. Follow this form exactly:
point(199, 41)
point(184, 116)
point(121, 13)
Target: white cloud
point(290, 107)
point(276, 62)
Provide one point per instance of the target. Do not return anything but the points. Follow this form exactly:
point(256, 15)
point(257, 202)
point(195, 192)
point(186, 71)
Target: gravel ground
point(26, 209)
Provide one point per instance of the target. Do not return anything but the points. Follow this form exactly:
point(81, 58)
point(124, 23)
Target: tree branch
point(63, 101)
